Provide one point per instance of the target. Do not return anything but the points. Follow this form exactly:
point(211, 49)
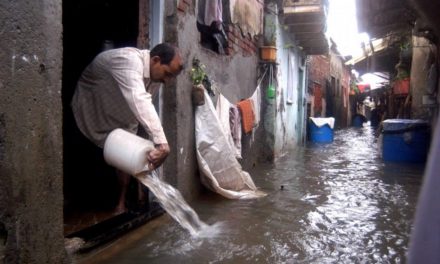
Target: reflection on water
point(334, 203)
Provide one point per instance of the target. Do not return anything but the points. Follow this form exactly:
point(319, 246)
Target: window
point(210, 25)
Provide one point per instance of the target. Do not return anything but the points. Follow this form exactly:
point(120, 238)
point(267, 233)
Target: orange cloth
point(247, 115)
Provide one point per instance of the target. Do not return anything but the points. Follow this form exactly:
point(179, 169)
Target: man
point(115, 91)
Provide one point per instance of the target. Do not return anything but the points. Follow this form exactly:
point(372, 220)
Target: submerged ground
point(332, 203)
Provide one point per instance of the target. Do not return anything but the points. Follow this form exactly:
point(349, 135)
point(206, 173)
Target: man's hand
point(158, 155)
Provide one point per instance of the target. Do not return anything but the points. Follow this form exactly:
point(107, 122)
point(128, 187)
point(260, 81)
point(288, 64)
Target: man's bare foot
point(120, 209)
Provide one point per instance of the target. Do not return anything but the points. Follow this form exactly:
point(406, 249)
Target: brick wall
point(238, 42)
point(319, 69)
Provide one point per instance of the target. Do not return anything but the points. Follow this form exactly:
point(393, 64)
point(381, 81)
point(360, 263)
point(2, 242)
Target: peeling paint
point(13, 63)
point(24, 58)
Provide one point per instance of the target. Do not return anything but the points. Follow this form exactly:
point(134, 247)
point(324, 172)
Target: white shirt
point(112, 93)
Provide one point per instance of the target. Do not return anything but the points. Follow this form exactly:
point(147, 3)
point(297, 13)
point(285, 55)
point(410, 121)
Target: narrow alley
point(326, 203)
point(279, 131)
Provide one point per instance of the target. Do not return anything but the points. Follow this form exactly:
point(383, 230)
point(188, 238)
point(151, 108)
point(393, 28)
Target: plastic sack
point(322, 121)
point(219, 169)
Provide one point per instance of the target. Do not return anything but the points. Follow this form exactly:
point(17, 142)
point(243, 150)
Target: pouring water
point(173, 203)
point(128, 153)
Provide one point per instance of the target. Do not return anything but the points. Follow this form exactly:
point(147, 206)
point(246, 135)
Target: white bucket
point(127, 152)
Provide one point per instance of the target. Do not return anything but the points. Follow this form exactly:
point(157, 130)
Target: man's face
point(162, 72)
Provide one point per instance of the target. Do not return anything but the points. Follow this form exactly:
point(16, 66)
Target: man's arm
point(128, 72)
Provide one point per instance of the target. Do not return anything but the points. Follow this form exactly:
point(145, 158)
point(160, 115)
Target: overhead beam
point(302, 9)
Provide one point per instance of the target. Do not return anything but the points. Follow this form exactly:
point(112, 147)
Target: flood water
point(332, 203)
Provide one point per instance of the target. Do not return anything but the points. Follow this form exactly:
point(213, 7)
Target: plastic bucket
point(127, 152)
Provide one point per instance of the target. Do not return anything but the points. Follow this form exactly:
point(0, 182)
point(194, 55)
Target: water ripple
point(333, 203)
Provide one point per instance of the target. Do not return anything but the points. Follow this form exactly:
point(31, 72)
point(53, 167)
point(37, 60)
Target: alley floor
point(332, 203)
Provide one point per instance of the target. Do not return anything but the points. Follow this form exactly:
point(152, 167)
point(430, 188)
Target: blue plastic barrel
point(322, 134)
point(405, 140)
point(358, 121)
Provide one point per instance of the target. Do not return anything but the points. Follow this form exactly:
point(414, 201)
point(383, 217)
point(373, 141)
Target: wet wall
point(428, 11)
point(290, 118)
point(422, 58)
point(31, 203)
point(339, 71)
point(284, 117)
point(234, 76)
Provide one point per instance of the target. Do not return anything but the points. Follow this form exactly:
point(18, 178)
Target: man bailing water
point(115, 91)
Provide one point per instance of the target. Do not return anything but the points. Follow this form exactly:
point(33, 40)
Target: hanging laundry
point(256, 102)
point(235, 125)
point(247, 115)
point(223, 108)
point(209, 11)
point(210, 25)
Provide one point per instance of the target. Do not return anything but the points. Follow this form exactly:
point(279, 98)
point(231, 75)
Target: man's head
point(165, 63)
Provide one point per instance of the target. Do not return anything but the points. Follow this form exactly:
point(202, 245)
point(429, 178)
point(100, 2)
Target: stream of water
point(175, 205)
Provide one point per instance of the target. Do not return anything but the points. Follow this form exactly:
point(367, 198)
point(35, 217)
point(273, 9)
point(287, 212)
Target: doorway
point(301, 105)
point(91, 187)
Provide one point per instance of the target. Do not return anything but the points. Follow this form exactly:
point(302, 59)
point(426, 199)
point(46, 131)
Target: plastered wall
point(31, 202)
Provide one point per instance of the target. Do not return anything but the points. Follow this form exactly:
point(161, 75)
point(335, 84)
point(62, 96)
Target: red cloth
point(363, 87)
point(247, 115)
point(401, 86)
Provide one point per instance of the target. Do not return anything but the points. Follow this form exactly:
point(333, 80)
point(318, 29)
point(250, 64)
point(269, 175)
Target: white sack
point(322, 121)
point(220, 170)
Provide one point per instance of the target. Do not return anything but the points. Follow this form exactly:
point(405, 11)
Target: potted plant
point(268, 53)
point(198, 77)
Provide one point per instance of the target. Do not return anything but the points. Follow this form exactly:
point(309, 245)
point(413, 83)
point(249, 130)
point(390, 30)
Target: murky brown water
point(339, 204)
